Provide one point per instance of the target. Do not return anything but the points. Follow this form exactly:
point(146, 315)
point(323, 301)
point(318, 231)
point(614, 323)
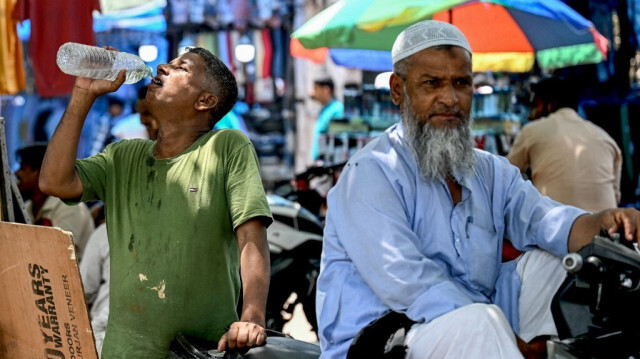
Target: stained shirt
point(174, 256)
point(394, 241)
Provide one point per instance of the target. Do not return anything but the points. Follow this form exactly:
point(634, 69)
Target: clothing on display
point(223, 49)
point(49, 32)
point(259, 56)
point(116, 5)
point(209, 41)
point(11, 66)
point(268, 53)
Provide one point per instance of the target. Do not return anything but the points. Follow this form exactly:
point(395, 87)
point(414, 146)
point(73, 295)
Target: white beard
point(440, 152)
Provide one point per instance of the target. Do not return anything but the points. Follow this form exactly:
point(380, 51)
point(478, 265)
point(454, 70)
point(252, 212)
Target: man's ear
point(396, 85)
point(206, 102)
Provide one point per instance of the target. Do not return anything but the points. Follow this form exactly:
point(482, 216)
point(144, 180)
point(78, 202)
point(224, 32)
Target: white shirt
point(94, 270)
point(75, 219)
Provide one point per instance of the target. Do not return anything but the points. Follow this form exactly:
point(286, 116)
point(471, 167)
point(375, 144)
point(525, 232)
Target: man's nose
point(448, 95)
point(163, 68)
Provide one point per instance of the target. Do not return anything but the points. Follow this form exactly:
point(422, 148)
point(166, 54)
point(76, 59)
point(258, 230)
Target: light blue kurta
point(395, 241)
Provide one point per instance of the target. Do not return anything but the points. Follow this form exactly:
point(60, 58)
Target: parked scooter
point(295, 245)
point(310, 187)
point(596, 308)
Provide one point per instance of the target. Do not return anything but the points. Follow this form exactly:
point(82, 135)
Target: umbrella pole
point(451, 16)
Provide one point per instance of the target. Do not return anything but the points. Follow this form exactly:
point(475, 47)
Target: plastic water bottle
point(98, 63)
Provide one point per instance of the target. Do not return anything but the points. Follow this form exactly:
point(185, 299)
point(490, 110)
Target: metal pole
point(10, 198)
point(5, 188)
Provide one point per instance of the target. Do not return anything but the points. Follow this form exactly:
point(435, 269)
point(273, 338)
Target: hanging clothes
point(209, 41)
point(54, 22)
point(268, 53)
point(231, 52)
point(241, 13)
point(223, 48)
point(279, 52)
point(259, 56)
point(237, 66)
point(116, 5)
point(264, 87)
point(11, 66)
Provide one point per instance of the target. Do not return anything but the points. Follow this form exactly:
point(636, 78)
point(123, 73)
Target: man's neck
point(328, 101)
point(455, 189)
point(174, 139)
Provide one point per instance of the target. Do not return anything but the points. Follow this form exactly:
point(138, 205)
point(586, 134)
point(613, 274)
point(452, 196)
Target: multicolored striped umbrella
point(505, 35)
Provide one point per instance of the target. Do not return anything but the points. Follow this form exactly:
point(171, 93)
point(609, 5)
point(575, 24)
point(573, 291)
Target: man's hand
point(619, 218)
point(611, 220)
point(242, 335)
point(100, 87)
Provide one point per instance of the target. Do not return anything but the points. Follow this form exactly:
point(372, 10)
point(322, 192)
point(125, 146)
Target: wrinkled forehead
point(442, 59)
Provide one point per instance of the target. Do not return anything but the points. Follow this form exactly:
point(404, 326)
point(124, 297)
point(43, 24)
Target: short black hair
point(220, 81)
point(32, 156)
point(112, 100)
point(326, 82)
point(557, 91)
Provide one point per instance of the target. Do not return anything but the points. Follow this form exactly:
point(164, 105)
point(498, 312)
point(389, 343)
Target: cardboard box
point(43, 313)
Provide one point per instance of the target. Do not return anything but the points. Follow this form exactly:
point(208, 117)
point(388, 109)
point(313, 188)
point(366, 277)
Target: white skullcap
point(426, 34)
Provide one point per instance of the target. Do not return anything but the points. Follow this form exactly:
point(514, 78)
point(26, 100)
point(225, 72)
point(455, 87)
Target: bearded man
point(417, 220)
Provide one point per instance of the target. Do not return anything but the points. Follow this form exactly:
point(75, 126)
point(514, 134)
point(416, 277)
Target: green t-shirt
point(174, 252)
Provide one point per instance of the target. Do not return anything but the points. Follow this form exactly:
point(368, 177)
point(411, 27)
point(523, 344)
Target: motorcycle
point(278, 346)
point(596, 308)
point(295, 245)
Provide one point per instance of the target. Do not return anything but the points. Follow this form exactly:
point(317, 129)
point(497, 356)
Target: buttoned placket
point(459, 220)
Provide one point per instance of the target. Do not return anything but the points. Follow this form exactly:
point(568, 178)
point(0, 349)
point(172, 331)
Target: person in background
point(416, 223)
point(323, 92)
point(133, 125)
point(46, 210)
point(146, 117)
point(186, 214)
point(232, 120)
point(571, 160)
point(94, 271)
point(101, 135)
point(40, 126)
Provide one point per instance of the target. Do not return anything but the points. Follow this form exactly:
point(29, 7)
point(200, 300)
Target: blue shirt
point(394, 241)
point(333, 109)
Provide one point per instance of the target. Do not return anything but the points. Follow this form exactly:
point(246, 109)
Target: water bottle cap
point(149, 71)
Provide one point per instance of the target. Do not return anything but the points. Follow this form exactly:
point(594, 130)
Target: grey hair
point(401, 67)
